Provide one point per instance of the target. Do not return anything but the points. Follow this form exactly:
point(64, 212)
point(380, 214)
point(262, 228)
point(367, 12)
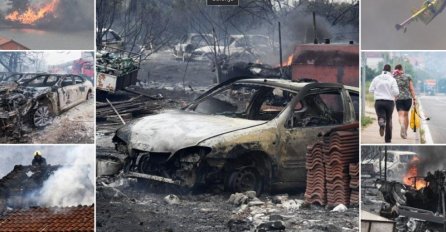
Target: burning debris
point(414, 202)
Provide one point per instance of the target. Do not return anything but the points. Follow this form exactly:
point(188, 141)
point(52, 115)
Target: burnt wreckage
point(247, 134)
point(412, 209)
point(36, 100)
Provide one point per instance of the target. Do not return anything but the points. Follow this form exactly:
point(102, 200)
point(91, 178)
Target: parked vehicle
point(397, 162)
point(191, 42)
point(246, 134)
point(248, 48)
point(112, 39)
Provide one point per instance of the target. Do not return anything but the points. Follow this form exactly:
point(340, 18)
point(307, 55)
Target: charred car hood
point(173, 130)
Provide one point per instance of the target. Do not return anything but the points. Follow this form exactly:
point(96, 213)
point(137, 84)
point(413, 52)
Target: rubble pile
point(328, 162)
point(315, 191)
point(283, 213)
point(354, 183)
point(112, 63)
point(126, 108)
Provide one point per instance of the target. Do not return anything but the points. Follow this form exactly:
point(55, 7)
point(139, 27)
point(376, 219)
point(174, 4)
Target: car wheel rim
point(42, 116)
point(245, 180)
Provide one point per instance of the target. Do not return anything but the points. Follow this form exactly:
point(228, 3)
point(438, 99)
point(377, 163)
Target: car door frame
point(66, 93)
point(292, 162)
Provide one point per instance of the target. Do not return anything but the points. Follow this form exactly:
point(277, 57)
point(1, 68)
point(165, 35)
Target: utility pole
point(363, 78)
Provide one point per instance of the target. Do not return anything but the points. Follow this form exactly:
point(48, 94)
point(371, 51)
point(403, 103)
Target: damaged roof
point(9, 44)
point(80, 218)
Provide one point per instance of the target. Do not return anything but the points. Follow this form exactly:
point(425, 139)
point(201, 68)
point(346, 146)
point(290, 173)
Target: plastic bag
point(414, 119)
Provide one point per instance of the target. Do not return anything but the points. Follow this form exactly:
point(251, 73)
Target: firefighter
point(38, 159)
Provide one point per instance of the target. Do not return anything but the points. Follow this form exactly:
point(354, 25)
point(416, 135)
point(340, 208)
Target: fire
point(412, 176)
point(289, 61)
point(30, 16)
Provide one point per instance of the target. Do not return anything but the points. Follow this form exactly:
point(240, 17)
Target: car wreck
point(244, 134)
point(35, 100)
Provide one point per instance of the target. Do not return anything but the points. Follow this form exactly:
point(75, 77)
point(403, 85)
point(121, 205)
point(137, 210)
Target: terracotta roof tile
point(80, 218)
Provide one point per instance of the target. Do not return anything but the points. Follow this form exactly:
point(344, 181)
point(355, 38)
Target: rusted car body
point(36, 100)
point(249, 134)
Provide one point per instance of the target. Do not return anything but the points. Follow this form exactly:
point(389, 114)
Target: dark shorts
point(403, 105)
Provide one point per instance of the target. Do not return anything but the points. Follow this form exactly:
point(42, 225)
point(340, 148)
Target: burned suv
point(248, 134)
point(37, 99)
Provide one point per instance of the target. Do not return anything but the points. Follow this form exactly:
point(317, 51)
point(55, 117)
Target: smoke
point(432, 158)
point(70, 185)
point(297, 28)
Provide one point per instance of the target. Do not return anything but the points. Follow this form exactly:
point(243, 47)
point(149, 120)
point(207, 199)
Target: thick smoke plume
point(432, 158)
point(70, 185)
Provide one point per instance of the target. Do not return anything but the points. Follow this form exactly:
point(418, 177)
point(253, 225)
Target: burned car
point(245, 134)
point(37, 100)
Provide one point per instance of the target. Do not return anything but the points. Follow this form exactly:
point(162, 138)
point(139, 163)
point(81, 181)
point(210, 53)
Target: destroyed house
point(21, 181)
point(9, 44)
point(331, 63)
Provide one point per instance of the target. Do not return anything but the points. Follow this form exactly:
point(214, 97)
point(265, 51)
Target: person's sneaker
point(382, 125)
point(403, 132)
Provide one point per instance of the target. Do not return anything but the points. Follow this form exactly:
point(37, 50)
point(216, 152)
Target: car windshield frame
point(208, 95)
point(27, 83)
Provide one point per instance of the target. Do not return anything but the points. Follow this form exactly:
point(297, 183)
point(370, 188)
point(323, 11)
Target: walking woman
point(384, 89)
point(404, 98)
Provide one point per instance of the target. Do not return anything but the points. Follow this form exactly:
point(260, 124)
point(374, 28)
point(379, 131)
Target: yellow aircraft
point(427, 12)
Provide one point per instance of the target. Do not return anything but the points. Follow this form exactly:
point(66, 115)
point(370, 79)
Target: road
point(378, 27)
point(433, 107)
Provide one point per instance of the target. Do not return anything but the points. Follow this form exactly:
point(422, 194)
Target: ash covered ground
point(126, 204)
point(135, 207)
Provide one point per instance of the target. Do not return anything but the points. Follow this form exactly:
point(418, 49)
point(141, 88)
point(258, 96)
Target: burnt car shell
point(230, 150)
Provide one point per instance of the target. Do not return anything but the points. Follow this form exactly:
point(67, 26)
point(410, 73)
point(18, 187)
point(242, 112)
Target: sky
point(59, 57)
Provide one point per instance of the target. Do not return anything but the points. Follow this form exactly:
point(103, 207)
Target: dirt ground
point(73, 126)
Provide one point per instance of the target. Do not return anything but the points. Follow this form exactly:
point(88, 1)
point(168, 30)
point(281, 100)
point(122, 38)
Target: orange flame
point(412, 173)
point(288, 61)
point(30, 16)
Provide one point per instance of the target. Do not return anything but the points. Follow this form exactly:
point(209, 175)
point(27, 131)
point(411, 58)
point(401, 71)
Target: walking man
point(385, 90)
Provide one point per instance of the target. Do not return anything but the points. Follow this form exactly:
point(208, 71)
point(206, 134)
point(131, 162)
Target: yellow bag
point(414, 118)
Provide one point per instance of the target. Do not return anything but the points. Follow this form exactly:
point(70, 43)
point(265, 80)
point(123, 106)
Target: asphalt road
point(378, 27)
point(433, 107)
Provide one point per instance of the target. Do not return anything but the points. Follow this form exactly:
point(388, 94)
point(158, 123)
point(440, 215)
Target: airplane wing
point(429, 10)
point(432, 10)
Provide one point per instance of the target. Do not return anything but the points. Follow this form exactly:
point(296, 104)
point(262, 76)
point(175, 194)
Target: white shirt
point(384, 87)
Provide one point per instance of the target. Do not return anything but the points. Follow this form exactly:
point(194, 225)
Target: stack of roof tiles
point(354, 183)
point(80, 218)
point(315, 191)
point(341, 148)
point(328, 178)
